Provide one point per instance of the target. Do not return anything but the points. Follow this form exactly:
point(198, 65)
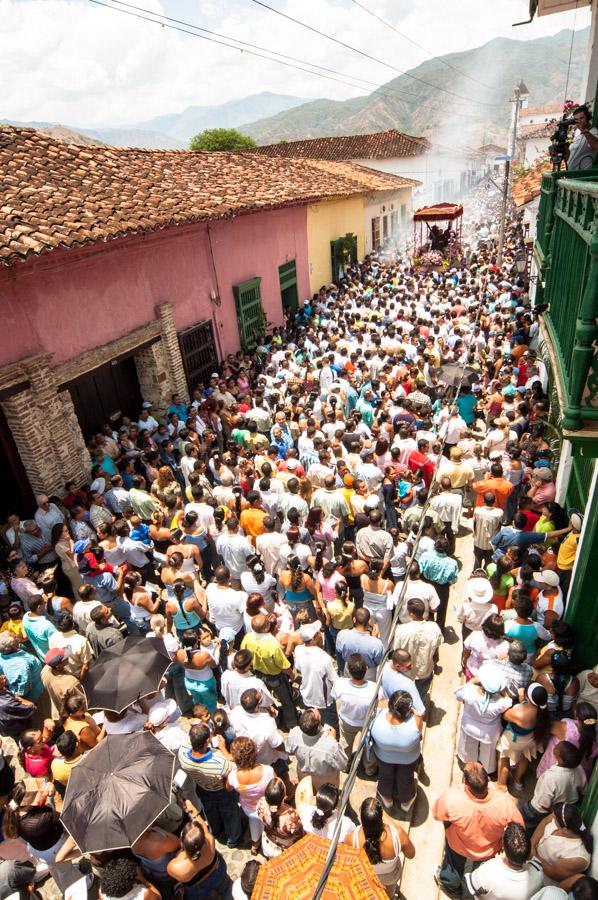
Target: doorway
point(105, 395)
point(287, 277)
point(198, 351)
point(16, 494)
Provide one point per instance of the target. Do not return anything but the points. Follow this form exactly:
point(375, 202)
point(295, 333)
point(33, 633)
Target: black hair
point(517, 844)
point(372, 822)
point(400, 704)
point(66, 743)
point(249, 876)
point(326, 803)
point(274, 796)
point(586, 717)
point(568, 816)
point(560, 662)
point(118, 876)
point(569, 754)
point(356, 666)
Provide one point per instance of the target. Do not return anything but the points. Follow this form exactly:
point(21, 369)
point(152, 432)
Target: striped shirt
point(209, 771)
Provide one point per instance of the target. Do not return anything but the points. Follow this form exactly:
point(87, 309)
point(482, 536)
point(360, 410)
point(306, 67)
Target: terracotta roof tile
point(379, 145)
point(541, 130)
point(527, 187)
point(55, 194)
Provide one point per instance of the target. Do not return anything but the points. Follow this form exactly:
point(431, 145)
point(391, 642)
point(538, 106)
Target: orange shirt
point(500, 487)
point(252, 522)
point(476, 826)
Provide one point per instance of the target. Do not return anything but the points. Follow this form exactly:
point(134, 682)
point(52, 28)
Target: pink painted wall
point(74, 300)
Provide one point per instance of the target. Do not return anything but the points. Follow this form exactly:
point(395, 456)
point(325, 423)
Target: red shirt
point(531, 519)
point(419, 462)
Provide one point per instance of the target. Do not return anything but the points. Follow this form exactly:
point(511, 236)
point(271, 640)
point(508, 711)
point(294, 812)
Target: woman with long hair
point(319, 531)
point(140, 602)
point(339, 617)
point(383, 841)
point(501, 579)
point(299, 589)
point(186, 605)
point(581, 731)
point(562, 843)
point(165, 484)
point(282, 825)
point(62, 543)
point(199, 868)
point(319, 814)
point(250, 780)
point(352, 568)
point(526, 732)
point(377, 591)
point(255, 580)
point(199, 657)
point(484, 645)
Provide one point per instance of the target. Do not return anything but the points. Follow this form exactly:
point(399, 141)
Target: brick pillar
point(79, 468)
point(154, 376)
point(170, 343)
point(30, 434)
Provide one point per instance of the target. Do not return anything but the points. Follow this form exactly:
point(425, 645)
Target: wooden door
point(200, 357)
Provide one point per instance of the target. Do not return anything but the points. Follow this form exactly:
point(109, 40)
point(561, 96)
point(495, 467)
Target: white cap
point(308, 632)
point(547, 576)
point(162, 712)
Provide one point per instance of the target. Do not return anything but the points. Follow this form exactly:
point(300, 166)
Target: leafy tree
point(221, 139)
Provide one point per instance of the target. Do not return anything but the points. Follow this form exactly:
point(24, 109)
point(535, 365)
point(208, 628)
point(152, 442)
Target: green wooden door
point(250, 312)
point(287, 276)
point(343, 253)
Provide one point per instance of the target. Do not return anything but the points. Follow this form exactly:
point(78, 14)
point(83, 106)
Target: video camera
point(559, 143)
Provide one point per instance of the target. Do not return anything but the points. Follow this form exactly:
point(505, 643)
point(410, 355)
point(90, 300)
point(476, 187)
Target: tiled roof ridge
point(376, 144)
point(56, 194)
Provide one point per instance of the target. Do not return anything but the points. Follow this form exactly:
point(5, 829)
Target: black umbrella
point(451, 374)
point(125, 672)
point(117, 790)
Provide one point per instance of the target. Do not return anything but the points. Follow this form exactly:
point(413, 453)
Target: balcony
point(566, 259)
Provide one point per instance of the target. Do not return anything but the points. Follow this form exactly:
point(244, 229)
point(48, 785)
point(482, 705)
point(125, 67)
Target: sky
point(74, 62)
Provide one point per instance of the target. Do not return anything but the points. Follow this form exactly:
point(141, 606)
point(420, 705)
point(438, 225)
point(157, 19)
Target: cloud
point(75, 62)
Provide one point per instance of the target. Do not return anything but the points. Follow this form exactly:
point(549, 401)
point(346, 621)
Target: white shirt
point(318, 675)
point(172, 737)
point(225, 607)
point(82, 613)
point(234, 683)
point(448, 506)
point(45, 519)
point(148, 424)
point(261, 728)
point(421, 640)
point(327, 831)
point(353, 700)
point(495, 880)
point(234, 550)
point(205, 514)
point(187, 466)
point(420, 590)
point(268, 545)
point(135, 552)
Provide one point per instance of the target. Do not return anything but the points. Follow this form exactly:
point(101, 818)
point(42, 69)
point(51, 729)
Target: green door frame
point(287, 277)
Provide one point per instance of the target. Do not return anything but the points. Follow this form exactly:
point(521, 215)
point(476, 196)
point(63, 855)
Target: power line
point(406, 37)
point(369, 56)
point(214, 40)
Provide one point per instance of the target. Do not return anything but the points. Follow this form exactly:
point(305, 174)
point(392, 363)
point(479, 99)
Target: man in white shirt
point(188, 462)
point(240, 678)
point(421, 639)
point(269, 545)
point(354, 695)
point(513, 876)
point(318, 675)
point(234, 550)
point(46, 516)
point(448, 505)
point(225, 605)
point(146, 421)
point(249, 719)
point(205, 513)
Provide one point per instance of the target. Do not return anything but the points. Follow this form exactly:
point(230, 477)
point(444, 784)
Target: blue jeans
point(331, 635)
point(223, 815)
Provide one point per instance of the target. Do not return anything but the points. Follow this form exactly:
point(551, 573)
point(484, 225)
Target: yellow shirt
point(568, 551)
point(15, 626)
point(341, 616)
point(268, 656)
point(61, 769)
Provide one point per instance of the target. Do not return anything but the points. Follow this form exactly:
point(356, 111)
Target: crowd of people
point(291, 536)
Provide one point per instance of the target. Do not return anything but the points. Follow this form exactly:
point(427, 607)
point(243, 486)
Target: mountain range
point(460, 97)
point(413, 102)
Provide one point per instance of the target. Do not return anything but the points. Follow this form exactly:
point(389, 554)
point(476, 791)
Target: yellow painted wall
point(327, 221)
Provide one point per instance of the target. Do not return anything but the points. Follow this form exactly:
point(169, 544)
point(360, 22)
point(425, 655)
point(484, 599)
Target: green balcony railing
point(566, 253)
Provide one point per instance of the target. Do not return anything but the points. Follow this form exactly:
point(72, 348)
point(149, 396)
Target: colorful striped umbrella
point(295, 873)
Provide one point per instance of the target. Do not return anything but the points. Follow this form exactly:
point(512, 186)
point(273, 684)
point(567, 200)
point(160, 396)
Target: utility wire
point(242, 49)
point(366, 55)
point(406, 37)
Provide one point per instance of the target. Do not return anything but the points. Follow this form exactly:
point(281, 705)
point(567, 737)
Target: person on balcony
point(583, 151)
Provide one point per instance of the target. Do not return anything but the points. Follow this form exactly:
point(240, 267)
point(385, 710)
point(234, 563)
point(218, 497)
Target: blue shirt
point(395, 681)
point(39, 630)
point(511, 537)
point(396, 744)
point(438, 567)
point(22, 671)
point(351, 641)
point(181, 411)
point(466, 404)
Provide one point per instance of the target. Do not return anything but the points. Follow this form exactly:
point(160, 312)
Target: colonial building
point(128, 274)
point(445, 173)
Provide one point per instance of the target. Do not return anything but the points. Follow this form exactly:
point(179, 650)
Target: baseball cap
point(308, 632)
point(80, 546)
point(57, 655)
point(146, 405)
point(162, 711)
point(547, 576)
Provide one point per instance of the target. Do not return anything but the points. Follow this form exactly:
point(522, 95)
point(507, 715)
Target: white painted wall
point(444, 176)
point(535, 148)
point(379, 205)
